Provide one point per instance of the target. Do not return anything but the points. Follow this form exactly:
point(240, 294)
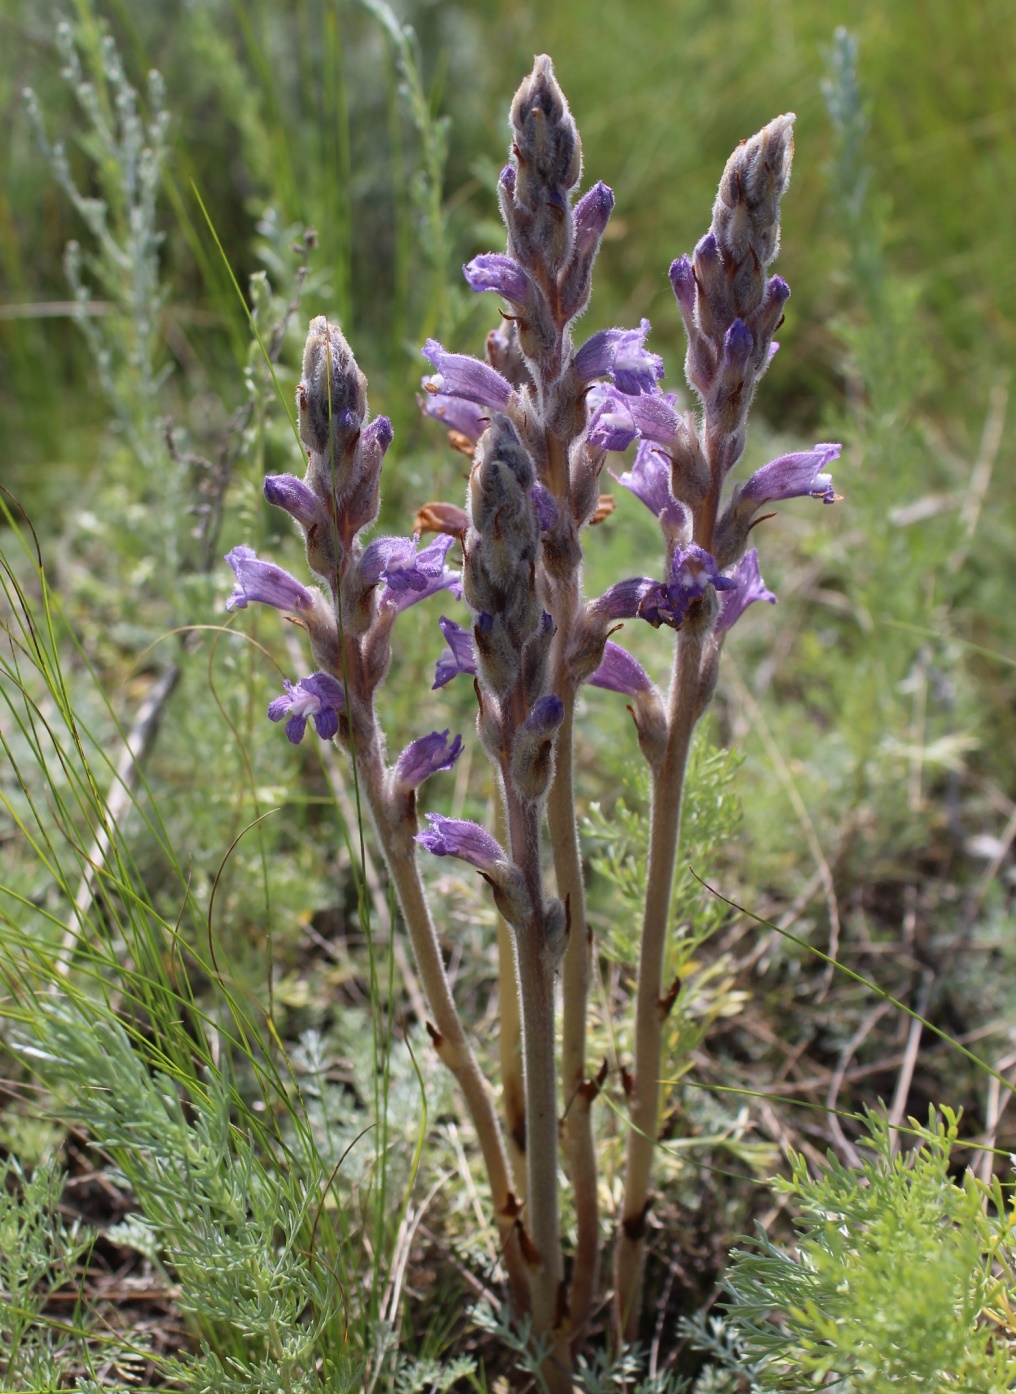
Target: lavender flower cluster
point(539, 417)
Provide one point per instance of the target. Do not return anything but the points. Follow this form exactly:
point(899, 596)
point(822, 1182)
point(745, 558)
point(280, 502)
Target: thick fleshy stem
point(536, 994)
point(513, 1089)
point(450, 1041)
point(579, 1092)
point(651, 1004)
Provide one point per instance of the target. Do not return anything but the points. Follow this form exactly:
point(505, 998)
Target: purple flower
point(619, 672)
point(591, 214)
point(611, 426)
point(622, 600)
point(455, 837)
point(458, 657)
point(750, 587)
point(424, 757)
point(495, 271)
point(692, 570)
point(619, 418)
point(622, 354)
point(320, 696)
point(415, 578)
point(791, 477)
point(456, 414)
point(391, 559)
point(655, 417)
point(649, 481)
point(292, 494)
point(265, 582)
point(458, 375)
point(408, 575)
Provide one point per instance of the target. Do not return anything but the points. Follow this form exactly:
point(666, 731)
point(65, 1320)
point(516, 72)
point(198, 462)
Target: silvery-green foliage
point(432, 1376)
point(232, 1223)
point(39, 1252)
point(898, 1278)
point(126, 153)
point(622, 1372)
point(729, 1371)
point(712, 816)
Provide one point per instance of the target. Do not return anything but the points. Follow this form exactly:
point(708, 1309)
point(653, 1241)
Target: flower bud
point(536, 197)
point(332, 403)
point(497, 656)
point(291, 494)
point(546, 139)
point(424, 757)
point(534, 658)
point(591, 215)
point(746, 214)
point(532, 762)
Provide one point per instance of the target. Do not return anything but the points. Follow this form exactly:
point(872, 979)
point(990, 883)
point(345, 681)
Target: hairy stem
point(536, 994)
point(513, 1092)
point(650, 1006)
point(577, 1130)
point(450, 1039)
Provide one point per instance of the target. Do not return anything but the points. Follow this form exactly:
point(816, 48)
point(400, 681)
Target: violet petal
point(797, 475)
point(749, 588)
point(424, 757)
point(458, 375)
point(264, 582)
point(455, 837)
point(458, 657)
point(619, 672)
point(287, 492)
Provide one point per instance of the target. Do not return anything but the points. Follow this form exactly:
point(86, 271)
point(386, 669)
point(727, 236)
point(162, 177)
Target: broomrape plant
point(539, 416)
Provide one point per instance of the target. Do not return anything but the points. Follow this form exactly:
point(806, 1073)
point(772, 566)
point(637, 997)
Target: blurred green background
point(883, 682)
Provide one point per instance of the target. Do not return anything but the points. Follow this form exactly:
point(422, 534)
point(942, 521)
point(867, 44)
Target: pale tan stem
point(650, 1005)
point(579, 1092)
point(536, 995)
point(450, 1039)
point(513, 1091)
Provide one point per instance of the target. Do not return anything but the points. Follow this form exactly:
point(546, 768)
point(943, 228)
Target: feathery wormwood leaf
point(425, 185)
point(712, 816)
point(432, 1376)
point(619, 1372)
point(196, 1104)
point(894, 1272)
point(233, 1222)
point(38, 1253)
point(127, 154)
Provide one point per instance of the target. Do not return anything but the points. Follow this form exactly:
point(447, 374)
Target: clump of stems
point(538, 416)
